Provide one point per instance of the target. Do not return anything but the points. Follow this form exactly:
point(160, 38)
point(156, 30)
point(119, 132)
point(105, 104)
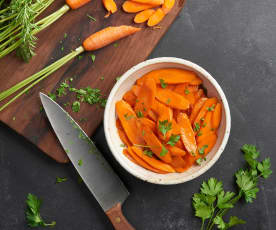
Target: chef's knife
point(96, 173)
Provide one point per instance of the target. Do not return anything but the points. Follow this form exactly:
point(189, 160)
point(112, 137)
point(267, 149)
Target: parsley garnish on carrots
point(164, 126)
point(173, 139)
point(163, 84)
point(197, 127)
point(202, 149)
point(212, 203)
point(33, 216)
point(128, 117)
point(148, 152)
point(211, 108)
point(140, 114)
point(164, 151)
point(187, 91)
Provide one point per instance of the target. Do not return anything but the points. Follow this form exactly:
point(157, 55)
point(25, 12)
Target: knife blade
point(95, 171)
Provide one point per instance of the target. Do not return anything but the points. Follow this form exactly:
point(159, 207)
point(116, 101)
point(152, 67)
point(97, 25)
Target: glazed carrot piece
point(197, 81)
point(126, 153)
point(199, 94)
point(168, 5)
point(128, 120)
point(207, 144)
point(130, 98)
point(142, 163)
point(170, 76)
point(172, 99)
point(155, 145)
point(209, 104)
point(75, 4)
point(145, 98)
point(122, 133)
point(134, 7)
point(187, 133)
point(206, 125)
point(152, 116)
point(151, 2)
point(143, 16)
point(175, 128)
point(156, 18)
point(197, 108)
point(185, 88)
point(110, 6)
point(152, 161)
point(170, 87)
point(216, 116)
point(149, 123)
point(164, 112)
point(175, 151)
point(108, 35)
point(136, 90)
point(202, 137)
point(178, 162)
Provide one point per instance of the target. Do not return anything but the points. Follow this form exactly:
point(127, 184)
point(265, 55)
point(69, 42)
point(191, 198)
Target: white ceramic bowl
point(125, 83)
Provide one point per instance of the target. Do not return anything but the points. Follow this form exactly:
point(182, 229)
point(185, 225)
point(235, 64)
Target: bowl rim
point(208, 76)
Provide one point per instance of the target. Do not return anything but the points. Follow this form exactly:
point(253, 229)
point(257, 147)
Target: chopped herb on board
point(60, 179)
point(93, 57)
point(90, 17)
point(76, 106)
point(80, 162)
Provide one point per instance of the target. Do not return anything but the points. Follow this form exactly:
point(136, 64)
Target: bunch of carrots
point(166, 121)
point(150, 11)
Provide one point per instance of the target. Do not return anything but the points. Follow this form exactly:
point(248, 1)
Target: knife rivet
point(117, 219)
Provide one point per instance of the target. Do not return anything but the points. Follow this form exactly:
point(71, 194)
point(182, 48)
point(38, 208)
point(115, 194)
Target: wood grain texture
point(24, 116)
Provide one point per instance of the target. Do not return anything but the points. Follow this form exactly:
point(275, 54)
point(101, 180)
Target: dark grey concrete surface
point(233, 40)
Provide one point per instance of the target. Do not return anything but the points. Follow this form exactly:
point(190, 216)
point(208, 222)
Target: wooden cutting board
point(25, 116)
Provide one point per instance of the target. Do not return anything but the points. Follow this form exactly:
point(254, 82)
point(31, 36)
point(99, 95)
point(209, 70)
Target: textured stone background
point(233, 40)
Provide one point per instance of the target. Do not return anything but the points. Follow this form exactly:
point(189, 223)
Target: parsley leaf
point(197, 127)
point(76, 106)
point(202, 149)
point(187, 91)
point(52, 96)
point(80, 162)
point(60, 179)
point(212, 108)
point(90, 17)
point(164, 151)
point(164, 127)
point(148, 152)
point(33, 212)
point(224, 200)
point(173, 139)
point(264, 168)
point(251, 154)
point(128, 117)
point(212, 187)
point(93, 57)
point(163, 84)
point(140, 114)
point(232, 222)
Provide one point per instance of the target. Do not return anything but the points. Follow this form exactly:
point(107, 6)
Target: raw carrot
point(175, 151)
point(134, 7)
point(216, 116)
point(170, 76)
point(151, 2)
point(208, 104)
point(142, 163)
point(110, 6)
point(206, 125)
point(108, 35)
point(187, 133)
point(128, 120)
point(207, 144)
point(149, 123)
point(156, 18)
point(155, 145)
point(126, 153)
point(152, 161)
point(145, 98)
point(143, 16)
point(197, 108)
point(130, 98)
point(172, 99)
point(75, 4)
point(168, 5)
point(136, 90)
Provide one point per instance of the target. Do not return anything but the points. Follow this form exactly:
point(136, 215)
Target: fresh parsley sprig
point(213, 202)
point(33, 216)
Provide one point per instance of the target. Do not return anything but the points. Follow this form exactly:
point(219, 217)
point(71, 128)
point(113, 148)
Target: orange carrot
point(202, 137)
point(110, 6)
point(175, 128)
point(155, 145)
point(209, 104)
point(164, 112)
point(143, 16)
point(152, 116)
point(145, 98)
point(187, 133)
point(172, 99)
point(130, 98)
point(134, 7)
point(178, 162)
point(206, 124)
point(156, 17)
point(207, 144)
point(136, 90)
point(75, 4)
point(199, 94)
point(128, 120)
point(152, 161)
point(168, 5)
point(149, 123)
point(126, 153)
point(170, 76)
point(151, 2)
point(175, 151)
point(216, 116)
point(108, 35)
point(197, 108)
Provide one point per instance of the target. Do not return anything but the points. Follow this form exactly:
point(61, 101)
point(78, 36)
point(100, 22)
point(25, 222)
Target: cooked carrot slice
point(178, 162)
point(149, 123)
point(128, 120)
point(206, 124)
point(152, 116)
point(199, 94)
point(170, 76)
point(124, 137)
point(187, 133)
point(197, 108)
point(134, 7)
point(206, 145)
point(156, 18)
point(175, 151)
point(216, 116)
point(143, 16)
point(187, 91)
point(209, 104)
point(172, 99)
point(202, 137)
point(155, 145)
point(130, 98)
point(162, 110)
point(175, 128)
point(152, 161)
point(168, 5)
point(126, 153)
point(110, 6)
point(146, 98)
point(136, 89)
point(142, 163)
point(152, 2)
point(197, 81)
